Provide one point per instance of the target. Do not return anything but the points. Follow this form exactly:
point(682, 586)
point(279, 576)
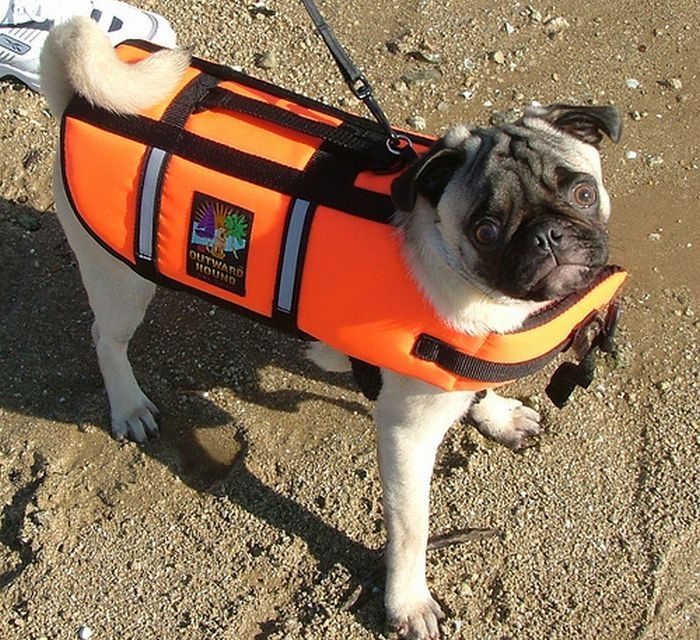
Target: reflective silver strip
point(149, 201)
point(290, 258)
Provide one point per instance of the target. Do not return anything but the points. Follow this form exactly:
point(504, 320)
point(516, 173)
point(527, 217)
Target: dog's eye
point(584, 195)
point(487, 232)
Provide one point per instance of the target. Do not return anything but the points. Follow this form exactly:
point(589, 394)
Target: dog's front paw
point(138, 422)
point(415, 620)
point(507, 421)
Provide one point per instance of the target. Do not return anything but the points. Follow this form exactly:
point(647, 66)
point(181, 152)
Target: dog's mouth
point(561, 280)
point(551, 259)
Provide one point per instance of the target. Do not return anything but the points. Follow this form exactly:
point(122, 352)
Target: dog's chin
point(550, 282)
point(560, 281)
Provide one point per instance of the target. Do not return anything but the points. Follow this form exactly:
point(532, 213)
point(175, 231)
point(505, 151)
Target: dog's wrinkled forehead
point(531, 156)
point(543, 150)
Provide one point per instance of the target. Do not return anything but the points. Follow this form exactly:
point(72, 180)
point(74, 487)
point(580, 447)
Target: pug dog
point(495, 223)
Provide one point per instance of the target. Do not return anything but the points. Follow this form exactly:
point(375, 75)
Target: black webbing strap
point(598, 332)
point(153, 167)
point(186, 102)
point(368, 377)
point(445, 356)
point(331, 190)
point(367, 142)
point(358, 83)
point(225, 73)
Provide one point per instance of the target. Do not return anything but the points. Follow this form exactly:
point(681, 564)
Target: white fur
point(466, 307)
point(579, 155)
point(327, 358)
point(78, 58)
point(505, 420)
point(118, 298)
point(412, 416)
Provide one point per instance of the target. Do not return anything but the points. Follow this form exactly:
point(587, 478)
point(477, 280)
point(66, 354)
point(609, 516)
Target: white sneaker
point(27, 23)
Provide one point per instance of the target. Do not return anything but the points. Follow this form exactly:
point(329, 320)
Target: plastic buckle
point(361, 88)
point(610, 324)
point(568, 376)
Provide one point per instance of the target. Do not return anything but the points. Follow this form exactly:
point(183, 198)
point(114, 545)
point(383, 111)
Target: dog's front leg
point(505, 420)
point(412, 418)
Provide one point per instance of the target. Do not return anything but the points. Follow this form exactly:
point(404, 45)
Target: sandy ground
point(257, 514)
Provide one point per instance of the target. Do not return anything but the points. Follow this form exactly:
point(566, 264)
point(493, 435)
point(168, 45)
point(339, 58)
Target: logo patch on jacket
point(219, 242)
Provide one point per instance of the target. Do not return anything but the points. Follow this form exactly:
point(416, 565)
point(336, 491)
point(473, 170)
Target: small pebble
point(535, 15)
point(85, 633)
point(420, 77)
point(267, 60)
point(259, 7)
point(655, 161)
point(555, 26)
point(631, 155)
point(416, 122)
point(425, 56)
point(673, 83)
point(498, 57)
point(508, 28)
point(632, 83)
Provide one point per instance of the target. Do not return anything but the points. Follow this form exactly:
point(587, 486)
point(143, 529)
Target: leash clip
point(361, 88)
point(399, 144)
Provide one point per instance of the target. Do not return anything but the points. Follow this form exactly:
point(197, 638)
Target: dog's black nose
point(546, 236)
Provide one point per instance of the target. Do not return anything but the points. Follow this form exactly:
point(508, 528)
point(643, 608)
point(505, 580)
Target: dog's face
point(520, 210)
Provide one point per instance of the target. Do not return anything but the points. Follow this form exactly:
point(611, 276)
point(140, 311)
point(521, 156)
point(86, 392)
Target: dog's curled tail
point(78, 58)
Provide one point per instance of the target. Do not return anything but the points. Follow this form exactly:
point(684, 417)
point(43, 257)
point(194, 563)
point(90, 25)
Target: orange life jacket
point(279, 206)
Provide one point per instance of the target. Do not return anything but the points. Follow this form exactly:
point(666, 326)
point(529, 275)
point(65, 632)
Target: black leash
point(397, 144)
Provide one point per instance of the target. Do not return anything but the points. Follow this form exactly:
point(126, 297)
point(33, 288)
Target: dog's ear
point(428, 176)
point(588, 124)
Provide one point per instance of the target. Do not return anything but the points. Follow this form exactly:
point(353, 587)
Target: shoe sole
point(29, 79)
point(162, 34)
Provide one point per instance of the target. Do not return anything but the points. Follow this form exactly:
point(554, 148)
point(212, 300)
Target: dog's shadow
point(48, 367)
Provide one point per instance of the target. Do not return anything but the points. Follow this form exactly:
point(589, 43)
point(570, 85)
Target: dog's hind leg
point(118, 298)
point(119, 303)
point(412, 418)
